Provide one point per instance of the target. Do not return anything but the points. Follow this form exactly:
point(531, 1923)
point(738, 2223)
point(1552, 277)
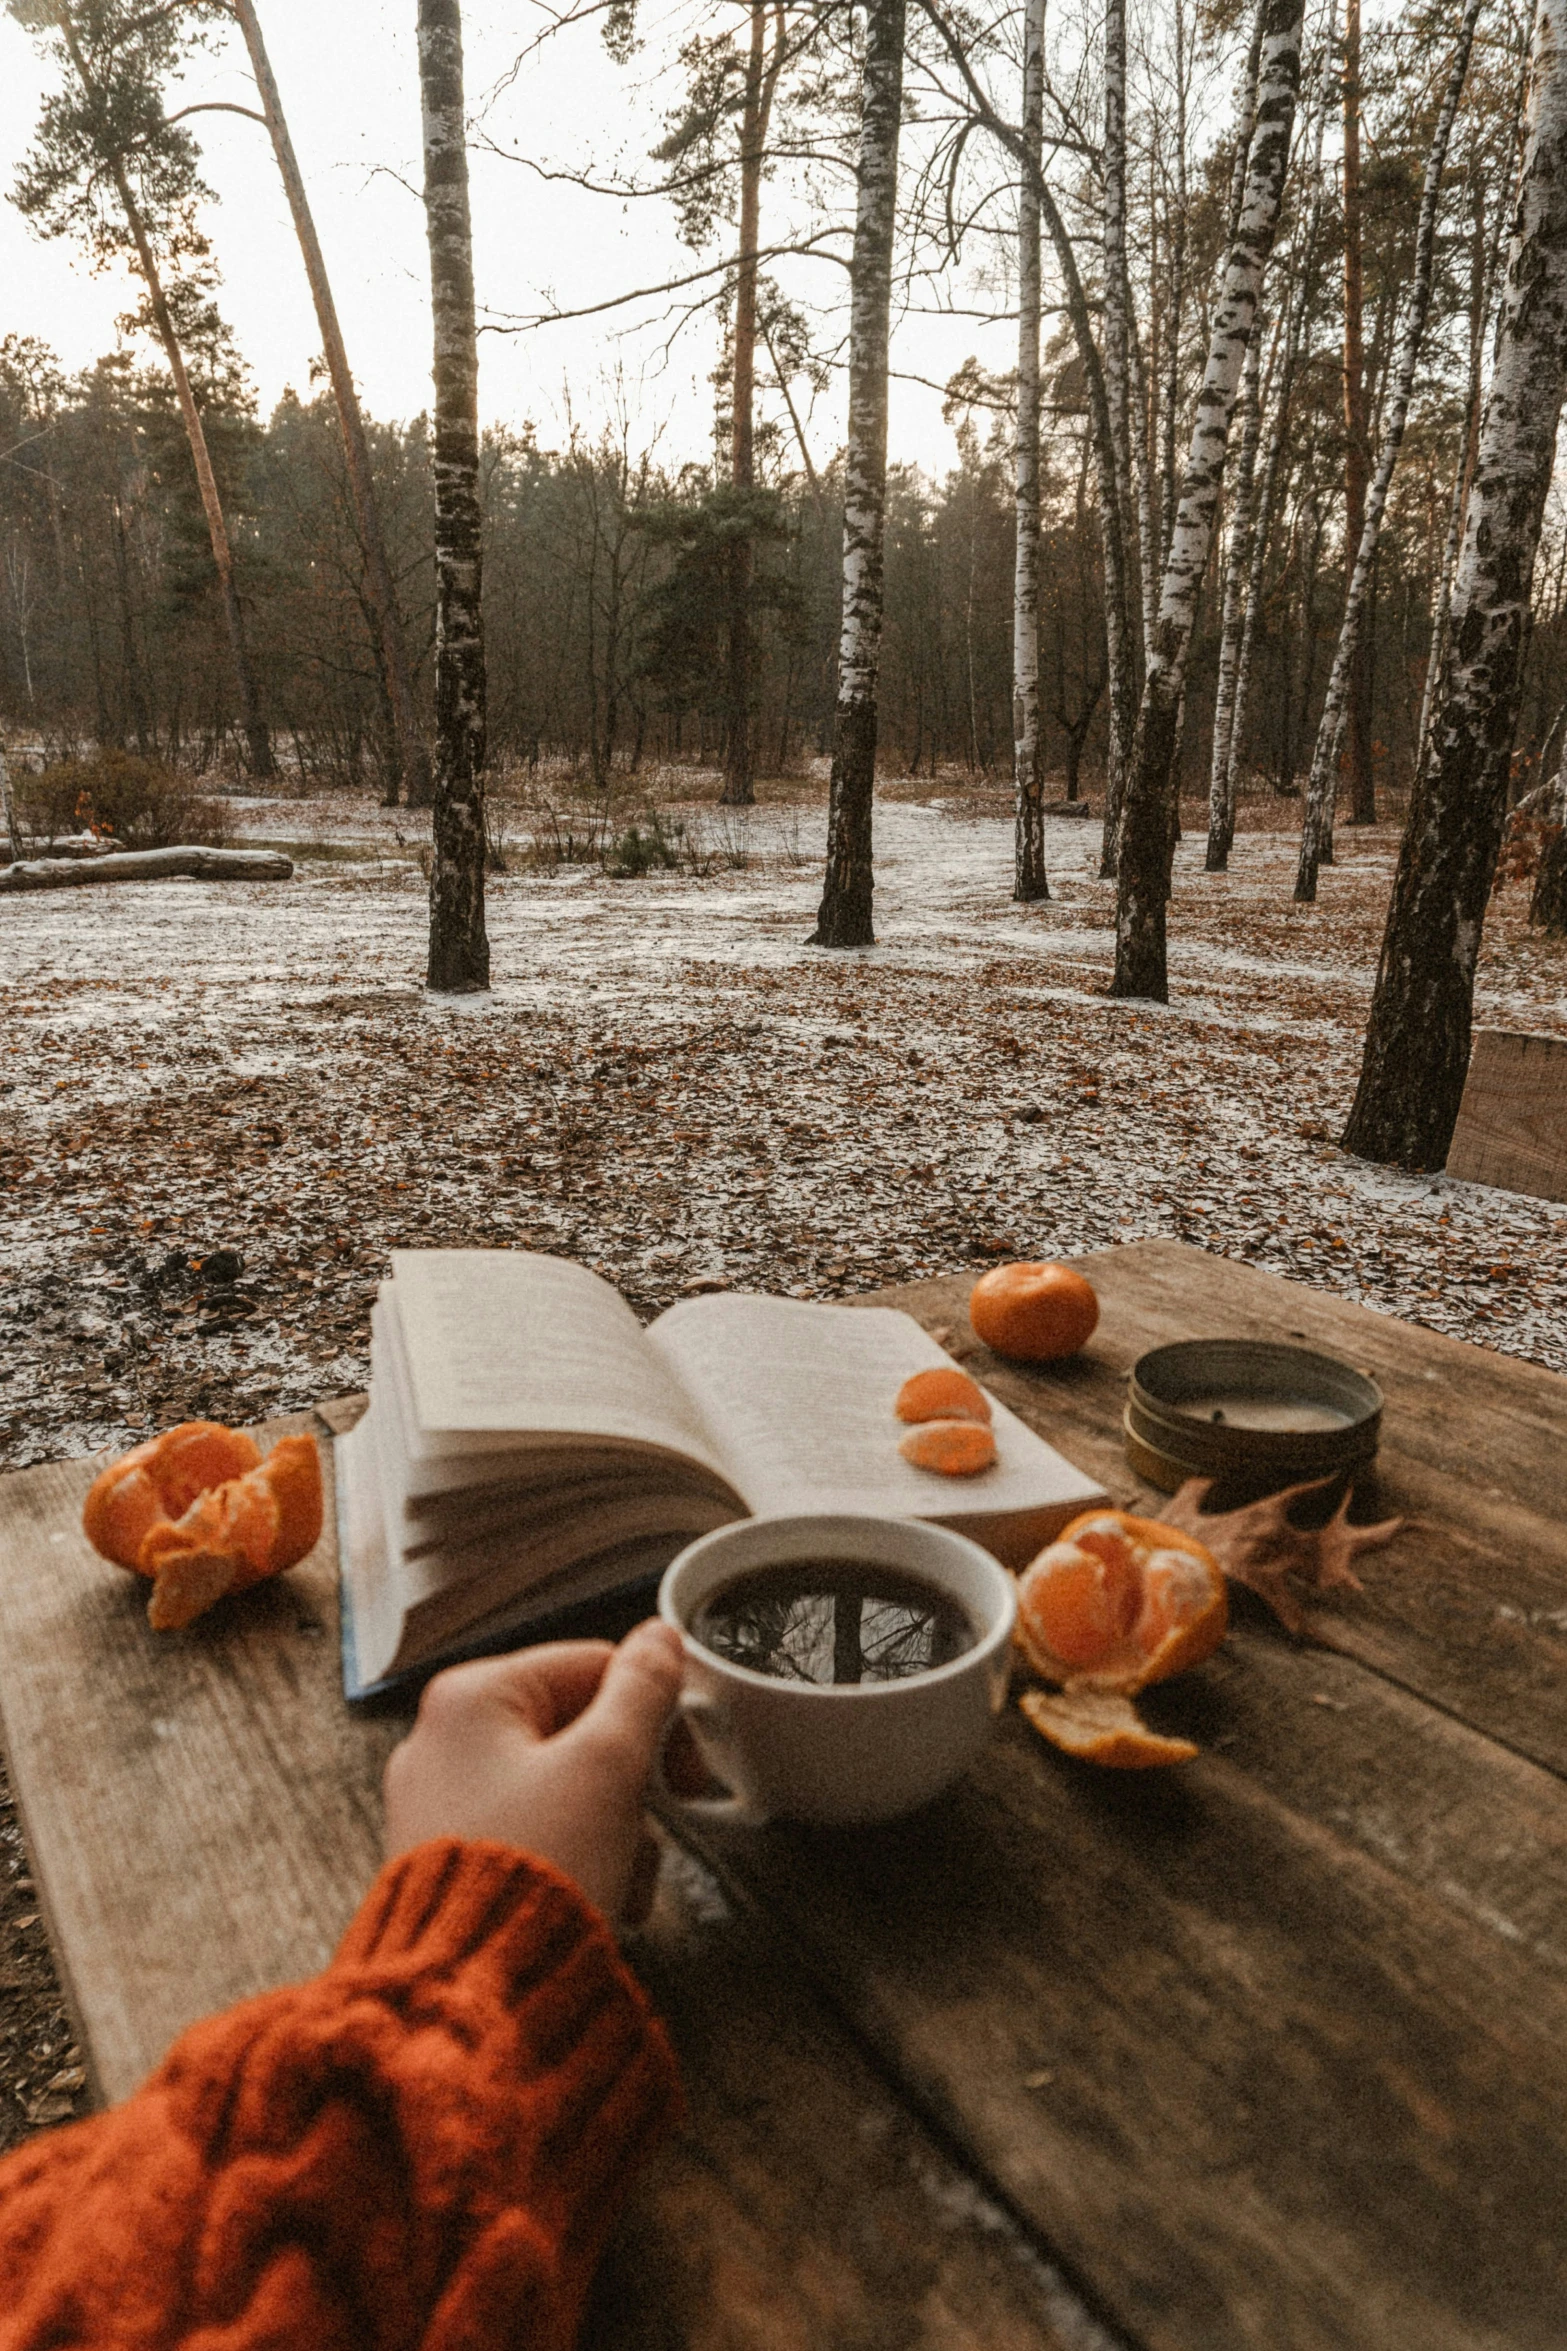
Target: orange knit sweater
point(423, 2146)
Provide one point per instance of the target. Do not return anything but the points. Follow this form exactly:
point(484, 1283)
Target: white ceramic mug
point(857, 1751)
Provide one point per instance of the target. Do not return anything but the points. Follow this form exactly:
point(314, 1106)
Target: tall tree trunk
point(1236, 567)
point(1029, 879)
point(1146, 840)
point(1417, 1042)
point(459, 949)
point(1177, 264)
point(1119, 640)
point(1484, 257)
point(1357, 453)
point(1237, 570)
point(1353, 635)
point(1117, 371)
point(1295, 345)
point(257, 741)
point(844, 917)
point(761, 79)
point(412, 769)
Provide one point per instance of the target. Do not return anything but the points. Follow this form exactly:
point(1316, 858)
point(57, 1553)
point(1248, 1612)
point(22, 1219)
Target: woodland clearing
point(221, 1107)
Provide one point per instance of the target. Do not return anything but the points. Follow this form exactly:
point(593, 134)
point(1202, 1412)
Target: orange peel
point(942, 1393)
point(1118, 1602)
point(200, 1513)
point(1100, 1726)
point(952, 1448)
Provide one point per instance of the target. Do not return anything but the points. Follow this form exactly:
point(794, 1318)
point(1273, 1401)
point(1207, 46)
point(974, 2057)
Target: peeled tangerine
point(201, 1513)
point(1115, 1604)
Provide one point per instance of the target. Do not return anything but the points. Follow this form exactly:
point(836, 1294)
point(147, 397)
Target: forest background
point(605, 547)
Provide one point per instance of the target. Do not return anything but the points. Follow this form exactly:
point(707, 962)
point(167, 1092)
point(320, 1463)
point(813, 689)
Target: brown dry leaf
point(1259, 1546)
point(1100, 1727)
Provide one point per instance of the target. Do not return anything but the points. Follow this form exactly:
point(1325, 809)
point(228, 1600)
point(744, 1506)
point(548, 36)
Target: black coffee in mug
point(833, 1620)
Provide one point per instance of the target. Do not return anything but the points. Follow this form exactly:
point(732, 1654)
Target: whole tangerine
point(1036, 1313)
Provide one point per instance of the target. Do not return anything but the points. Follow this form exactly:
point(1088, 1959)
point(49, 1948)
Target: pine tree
point(109, 167)
point(411, 769)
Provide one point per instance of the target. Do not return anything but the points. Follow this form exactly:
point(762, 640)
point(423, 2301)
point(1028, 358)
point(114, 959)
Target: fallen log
point(148, 865)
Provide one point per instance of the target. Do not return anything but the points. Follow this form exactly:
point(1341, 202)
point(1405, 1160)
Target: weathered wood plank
point(1469, 1605)
point(202, 1809)
point(1512, 1121)
point(803, 2208)
point(1264, 2090)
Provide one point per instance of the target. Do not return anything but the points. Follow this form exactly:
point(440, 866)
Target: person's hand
point(549, 1750)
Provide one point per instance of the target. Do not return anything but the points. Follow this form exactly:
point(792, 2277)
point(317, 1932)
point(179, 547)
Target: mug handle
point(696, 1707)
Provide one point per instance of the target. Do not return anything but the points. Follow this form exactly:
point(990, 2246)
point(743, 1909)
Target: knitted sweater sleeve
point(423, 2146)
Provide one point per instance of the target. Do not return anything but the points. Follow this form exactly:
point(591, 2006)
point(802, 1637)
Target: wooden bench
point(1512, 1121)
point(1266, 2052)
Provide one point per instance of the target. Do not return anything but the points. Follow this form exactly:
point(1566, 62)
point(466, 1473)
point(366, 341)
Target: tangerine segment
point(1034, 1312)
point(1118, 1602)
point(953, 1448)
point(1101, 1727)
point(942, 1393)
point(159, 1480)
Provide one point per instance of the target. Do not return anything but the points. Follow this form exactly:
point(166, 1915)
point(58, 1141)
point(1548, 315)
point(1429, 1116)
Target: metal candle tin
point(1250, 1414)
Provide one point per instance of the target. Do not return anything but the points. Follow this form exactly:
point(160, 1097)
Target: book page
point(500, 1342)
point(800, 1398)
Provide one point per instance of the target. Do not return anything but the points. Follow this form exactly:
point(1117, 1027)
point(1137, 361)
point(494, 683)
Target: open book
point(529, 1446)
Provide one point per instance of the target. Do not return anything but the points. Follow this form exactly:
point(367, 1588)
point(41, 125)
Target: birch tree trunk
point(459, 949)
point(1485, 258)
point(844, 917)
point(1119, 647)
point(1295, 347)
point(1237, 571)
point(1146, 839)
point(1338, 708)
point(761, 79)
point(1030, 880)
point(1117, 360)
point(1417, 1042)
point(1357, 453)
point(412, 761)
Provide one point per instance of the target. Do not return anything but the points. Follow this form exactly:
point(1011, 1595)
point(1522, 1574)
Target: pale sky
point(349, 84)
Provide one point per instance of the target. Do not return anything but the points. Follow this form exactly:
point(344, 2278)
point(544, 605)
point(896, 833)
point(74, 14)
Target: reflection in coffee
point(833, 1620)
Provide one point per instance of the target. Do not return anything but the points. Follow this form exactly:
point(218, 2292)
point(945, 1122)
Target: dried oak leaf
point(1259, 1546)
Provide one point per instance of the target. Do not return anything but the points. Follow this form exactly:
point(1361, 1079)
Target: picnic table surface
point(1268, 2050)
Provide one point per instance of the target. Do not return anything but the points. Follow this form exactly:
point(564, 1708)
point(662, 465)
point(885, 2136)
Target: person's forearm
point(426, 2143)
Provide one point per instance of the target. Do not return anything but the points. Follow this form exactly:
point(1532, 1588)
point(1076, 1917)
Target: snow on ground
point(669, 1084)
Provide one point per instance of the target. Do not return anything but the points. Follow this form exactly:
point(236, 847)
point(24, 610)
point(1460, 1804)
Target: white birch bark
point(1147, 841)
point(1296, 345)
point(459, 948)
point(1237, 567)
point(1030, 880)
point(1117, 308)
point(1317, 828)
point(1118, 643)
point(1417, 1042)
point(844, 918)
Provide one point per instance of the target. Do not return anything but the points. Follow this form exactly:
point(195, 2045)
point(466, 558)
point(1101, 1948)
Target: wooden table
point(1268, 2051)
